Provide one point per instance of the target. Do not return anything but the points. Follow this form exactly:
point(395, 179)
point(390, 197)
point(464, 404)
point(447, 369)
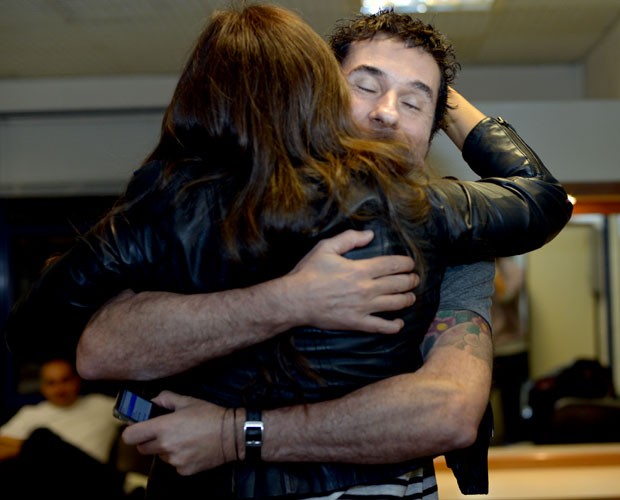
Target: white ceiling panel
point(50, 38)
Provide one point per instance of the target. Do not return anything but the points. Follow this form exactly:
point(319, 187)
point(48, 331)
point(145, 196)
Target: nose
point(385, 113)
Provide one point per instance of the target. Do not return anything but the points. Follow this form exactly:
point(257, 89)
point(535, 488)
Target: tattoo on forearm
point(461, 329)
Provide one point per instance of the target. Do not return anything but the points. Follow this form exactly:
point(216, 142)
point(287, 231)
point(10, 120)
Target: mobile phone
point(130, 407)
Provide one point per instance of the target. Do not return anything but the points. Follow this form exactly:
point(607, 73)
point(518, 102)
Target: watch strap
point(253, 435)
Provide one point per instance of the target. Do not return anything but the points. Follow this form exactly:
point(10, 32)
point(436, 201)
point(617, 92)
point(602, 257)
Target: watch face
point(253, 432)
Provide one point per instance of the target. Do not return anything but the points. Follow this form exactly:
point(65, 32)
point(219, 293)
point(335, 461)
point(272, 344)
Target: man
point(63, 442)
point(395, 89)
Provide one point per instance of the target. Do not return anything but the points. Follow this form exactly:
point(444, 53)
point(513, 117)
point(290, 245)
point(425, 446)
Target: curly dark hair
point(415, 33)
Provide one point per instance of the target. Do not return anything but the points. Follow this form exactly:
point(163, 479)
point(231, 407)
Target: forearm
point(428, 412)
point(156, 334)
point(462, 117)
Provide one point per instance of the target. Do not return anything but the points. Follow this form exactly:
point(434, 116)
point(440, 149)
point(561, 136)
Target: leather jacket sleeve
point(517, 206)
point(496, 153)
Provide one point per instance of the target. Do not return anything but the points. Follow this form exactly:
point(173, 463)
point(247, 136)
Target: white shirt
point(88, 424)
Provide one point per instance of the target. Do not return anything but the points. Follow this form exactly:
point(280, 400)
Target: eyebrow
point(414, 84)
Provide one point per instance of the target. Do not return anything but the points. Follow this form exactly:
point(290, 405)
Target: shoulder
point(25, 412)
point(462, 279)
point(468, 287)
point(478, 271)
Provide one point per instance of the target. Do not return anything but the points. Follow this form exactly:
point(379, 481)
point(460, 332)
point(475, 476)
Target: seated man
point(62, 444)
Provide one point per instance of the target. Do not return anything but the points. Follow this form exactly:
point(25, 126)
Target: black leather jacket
point(160, 243)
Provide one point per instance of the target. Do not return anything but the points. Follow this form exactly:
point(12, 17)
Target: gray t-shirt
point(469, 287)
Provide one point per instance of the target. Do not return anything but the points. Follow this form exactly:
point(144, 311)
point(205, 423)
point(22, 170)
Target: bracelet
point(235, 433)
point(253, 431)
point(222, 433)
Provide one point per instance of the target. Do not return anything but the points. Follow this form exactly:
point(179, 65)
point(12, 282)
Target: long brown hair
point(262, 103)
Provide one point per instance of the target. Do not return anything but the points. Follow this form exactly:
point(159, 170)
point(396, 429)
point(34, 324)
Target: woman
point(258, 160)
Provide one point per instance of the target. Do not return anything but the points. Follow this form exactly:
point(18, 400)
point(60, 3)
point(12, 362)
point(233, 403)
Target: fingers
point(172, 400)
point(346, 241)
point(388, 265)
point(374, 324)
point(353, 319)
point(168, 399)
point(139, 433)
point(394, 302)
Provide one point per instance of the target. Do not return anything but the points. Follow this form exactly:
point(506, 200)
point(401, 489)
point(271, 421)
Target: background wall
point(602, 73)
point(89, 134)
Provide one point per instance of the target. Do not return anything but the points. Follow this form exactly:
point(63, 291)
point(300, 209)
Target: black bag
point(575, 404)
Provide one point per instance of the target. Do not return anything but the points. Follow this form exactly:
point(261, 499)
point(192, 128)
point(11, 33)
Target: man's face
point(393, 89)
point(59, 383)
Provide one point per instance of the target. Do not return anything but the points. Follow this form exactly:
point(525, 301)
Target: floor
point(537, 472)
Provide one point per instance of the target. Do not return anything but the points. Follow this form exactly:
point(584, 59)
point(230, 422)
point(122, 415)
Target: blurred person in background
point(62, 444)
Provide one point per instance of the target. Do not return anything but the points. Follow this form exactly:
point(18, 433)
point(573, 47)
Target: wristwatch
point(253, 433)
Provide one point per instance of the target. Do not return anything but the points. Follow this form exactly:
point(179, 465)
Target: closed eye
point(411, 105)
point(364, 80)
point(366, 89)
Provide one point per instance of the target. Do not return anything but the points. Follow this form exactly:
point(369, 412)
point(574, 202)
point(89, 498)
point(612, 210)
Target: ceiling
point(54, 38)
